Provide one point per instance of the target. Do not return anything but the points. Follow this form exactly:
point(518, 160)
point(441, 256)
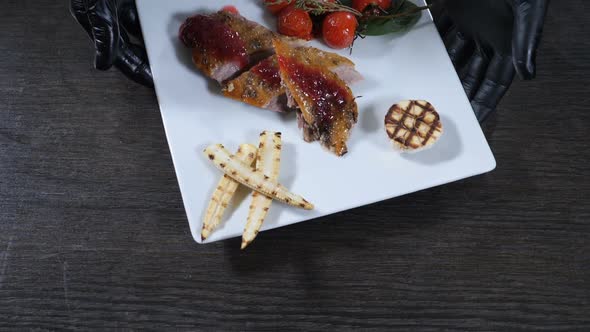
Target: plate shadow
point(447, 148)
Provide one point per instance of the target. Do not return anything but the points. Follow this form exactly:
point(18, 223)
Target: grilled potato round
point(413, 125)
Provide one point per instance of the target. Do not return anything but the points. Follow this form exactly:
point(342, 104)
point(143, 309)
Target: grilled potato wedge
point(254, 180)
point(224, 192)
point(268, 161)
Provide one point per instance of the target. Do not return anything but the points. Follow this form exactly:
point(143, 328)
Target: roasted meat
point(224, 44)
point(327, 106)
point(261, 86)
point(240, 54)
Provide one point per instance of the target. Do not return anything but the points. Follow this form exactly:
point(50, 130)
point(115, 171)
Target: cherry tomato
point(339, 29)
point(295, 22)
point(275, 9)
point(361, 5)
point(230, 9)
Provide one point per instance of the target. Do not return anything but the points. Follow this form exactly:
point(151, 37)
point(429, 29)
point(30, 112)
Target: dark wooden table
point(93, 234)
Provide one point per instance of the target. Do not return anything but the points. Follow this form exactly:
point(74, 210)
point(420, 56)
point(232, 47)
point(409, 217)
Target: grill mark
point(434, 127)
point(418, 120)
point(414, 130)
point(401, 122)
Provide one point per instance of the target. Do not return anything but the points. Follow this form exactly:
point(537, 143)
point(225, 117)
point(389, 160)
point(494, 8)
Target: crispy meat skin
point(328, 109)
point(337, 64)
point(261, 86)
point(224, 43)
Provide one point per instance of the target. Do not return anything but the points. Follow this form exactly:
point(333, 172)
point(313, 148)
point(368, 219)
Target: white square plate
point(414, 65)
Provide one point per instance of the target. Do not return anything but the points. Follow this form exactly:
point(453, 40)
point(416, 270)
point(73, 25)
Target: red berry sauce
point(214, 36)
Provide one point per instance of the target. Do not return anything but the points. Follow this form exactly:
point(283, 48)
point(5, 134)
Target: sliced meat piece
point(261, 85)
point(224, 43)
point(328, 109)
point(341, 66)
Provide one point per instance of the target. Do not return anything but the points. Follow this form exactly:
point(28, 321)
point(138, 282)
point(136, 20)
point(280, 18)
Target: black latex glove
point(110, 23)
point(488, 41)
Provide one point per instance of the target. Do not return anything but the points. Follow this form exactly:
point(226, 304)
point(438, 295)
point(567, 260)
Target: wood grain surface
point(93, 234)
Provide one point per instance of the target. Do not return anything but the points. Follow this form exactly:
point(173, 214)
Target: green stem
point(408, 13)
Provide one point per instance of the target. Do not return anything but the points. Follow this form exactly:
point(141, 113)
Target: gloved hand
point(110, 23)
point(488, 41)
